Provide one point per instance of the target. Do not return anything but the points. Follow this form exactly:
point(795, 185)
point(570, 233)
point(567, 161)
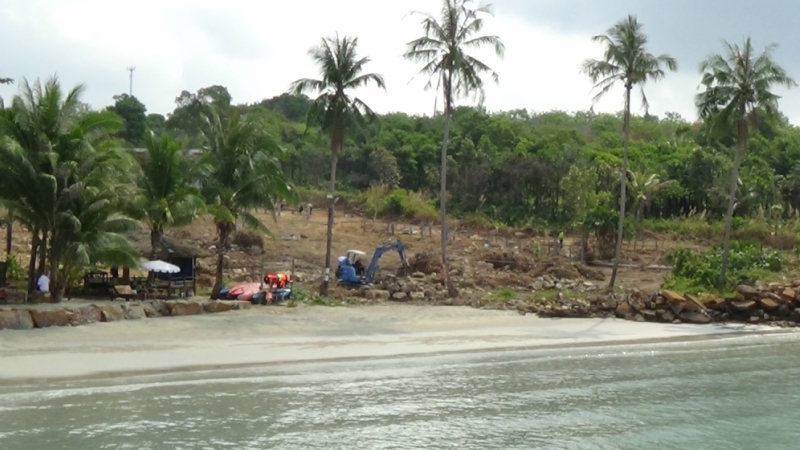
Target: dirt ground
point(303, 240)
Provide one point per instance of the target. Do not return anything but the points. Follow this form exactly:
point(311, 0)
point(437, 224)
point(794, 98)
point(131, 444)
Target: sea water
point(720, 394)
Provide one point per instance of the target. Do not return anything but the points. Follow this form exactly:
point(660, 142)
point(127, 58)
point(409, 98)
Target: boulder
point(693, 304)
point(768, 303)
point(243, 305)
point(677, 306)
point(668, 316)
point(623, 309)
point(134, 312)
point(672, 296)
point(795, 315)
point(44, 319)
point(400, 296)
point(15, 319)
point(649, 315)
point(417, 295)
point(150, 310)
point(788, 295)
point(694, 317)
point(743, 306)
point(111, 313)
point(216, 306)
point(378, 294)
point(747, 291)
point(185, 308)
point(84, 315)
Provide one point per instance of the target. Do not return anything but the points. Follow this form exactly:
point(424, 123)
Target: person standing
point(561, 240)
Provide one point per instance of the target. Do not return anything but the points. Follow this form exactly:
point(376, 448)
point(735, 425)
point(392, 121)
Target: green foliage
point(14, 270)
point(699, 272)
point(133, 113)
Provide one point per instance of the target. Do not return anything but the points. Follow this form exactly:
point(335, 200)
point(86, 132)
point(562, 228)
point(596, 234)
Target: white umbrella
point(160, 266)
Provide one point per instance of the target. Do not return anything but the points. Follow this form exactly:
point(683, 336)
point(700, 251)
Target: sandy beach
point(305, 333)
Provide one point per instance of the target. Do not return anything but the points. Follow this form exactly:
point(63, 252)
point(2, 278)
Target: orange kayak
point(242, 290)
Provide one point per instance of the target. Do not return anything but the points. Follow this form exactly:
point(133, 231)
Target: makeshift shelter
point(172, 252)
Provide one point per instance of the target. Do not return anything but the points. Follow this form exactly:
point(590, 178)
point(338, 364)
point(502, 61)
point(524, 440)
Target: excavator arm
point(373, 265)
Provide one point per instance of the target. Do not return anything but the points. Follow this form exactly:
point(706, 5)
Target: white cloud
point(257, 48)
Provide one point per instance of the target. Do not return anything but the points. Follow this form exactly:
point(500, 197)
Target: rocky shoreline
point(26, 318)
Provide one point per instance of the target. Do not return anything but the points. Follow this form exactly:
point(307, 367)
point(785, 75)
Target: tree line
point(581, 169)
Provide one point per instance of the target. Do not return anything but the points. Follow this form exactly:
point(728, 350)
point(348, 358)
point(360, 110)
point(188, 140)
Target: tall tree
point(64, 181)
point(240, 172)
point(625, 61)
point(335, 109)
point(134, 113)
point(443, 52)
point(166, 196)
point(738, 85)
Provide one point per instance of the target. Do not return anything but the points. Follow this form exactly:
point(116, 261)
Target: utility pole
point(131, 69)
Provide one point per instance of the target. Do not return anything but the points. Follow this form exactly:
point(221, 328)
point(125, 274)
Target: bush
point(248, 239)
point(402, 204)
point(695, 272)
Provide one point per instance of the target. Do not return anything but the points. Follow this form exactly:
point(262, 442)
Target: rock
point(743, 306)
point(216, 306)
point(150, 310)
point(243, 305)
point(111, 313)
point(668, 316)
point(85, 315)
point(677, 306)
point(768, 303)
point(672, 296)
point(400, 296)
point(638, 318)
point(15, 319)
point(378, 294)
point(608, 304)
point(134, 312)
point(44, 319)
point(788, 295)
point(417, 295)
point(538, 285)
point(623, 309)
point(186, 308)
point(693, 304)
point(649, 315)
point(747, 291)
point(417, 275)
point(717, 304)
point(694, 317)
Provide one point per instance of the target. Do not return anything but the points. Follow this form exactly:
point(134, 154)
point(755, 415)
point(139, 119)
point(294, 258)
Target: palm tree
point(625, 61)
point(63, 180)
point(240, 172)
point(737, 86)
point(335, 110)
point(165, 196)
point(443, 51)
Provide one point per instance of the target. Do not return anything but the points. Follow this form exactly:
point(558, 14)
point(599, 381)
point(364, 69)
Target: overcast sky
point(256, 48)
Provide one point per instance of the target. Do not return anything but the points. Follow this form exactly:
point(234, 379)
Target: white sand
point(279, 334)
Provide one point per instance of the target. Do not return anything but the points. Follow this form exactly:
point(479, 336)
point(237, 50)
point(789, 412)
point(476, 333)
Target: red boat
point(244, 290)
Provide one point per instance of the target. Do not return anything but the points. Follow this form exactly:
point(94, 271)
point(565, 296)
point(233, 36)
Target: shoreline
point(272, 336)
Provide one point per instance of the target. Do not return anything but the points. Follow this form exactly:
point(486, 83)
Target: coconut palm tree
point(443, 53)
point(63, 180)
point(165, 197)
point(737, 85)
point(240, 172)
point(335, 109)
point(625, 61)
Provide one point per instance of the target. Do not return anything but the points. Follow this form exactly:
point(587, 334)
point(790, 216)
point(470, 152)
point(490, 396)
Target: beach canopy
point(160, 266)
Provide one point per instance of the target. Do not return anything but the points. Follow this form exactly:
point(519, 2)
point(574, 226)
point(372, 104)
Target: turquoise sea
point(718, 394)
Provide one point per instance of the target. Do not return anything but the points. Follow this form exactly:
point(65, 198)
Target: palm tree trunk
point(448, 118)
point(737, 161)
point(223, 232)
point(9, 235)
point(623, 181)
point(32, 263)
point(57, 284)
point(323, 290)
point(43, 252)
point(155, 245)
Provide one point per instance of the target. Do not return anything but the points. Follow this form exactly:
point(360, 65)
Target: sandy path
point(279, 334)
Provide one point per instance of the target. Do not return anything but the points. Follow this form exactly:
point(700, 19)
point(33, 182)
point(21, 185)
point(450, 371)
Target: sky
point(256, 49)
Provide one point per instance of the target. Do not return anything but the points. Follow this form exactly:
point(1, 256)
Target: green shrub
point(694, 272)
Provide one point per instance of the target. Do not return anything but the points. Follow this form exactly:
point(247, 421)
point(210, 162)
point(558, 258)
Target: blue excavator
point(351, 269)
